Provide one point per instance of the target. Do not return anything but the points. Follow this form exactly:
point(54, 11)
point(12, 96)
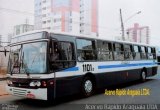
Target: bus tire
point(88, 86)
point(143, 76)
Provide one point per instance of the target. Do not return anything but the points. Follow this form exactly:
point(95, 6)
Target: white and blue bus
point(45, 65)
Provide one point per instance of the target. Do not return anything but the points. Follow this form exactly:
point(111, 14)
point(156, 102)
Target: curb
point(4, 94)
point(1, 79)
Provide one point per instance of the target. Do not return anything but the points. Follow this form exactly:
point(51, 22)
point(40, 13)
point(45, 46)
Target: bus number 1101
point(87, 67)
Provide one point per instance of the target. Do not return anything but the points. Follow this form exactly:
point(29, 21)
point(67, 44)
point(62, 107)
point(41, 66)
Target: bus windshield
point(28, 58)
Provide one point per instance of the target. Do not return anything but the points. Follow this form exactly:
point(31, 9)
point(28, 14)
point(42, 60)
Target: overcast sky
point(109, 18)
point(14, 12)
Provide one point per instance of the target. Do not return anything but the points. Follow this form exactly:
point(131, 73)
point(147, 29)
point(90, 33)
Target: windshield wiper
point(23, 66)
point(14, 66)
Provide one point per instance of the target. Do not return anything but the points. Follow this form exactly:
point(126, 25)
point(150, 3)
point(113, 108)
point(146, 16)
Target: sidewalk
point(2, 88)
point(3, 77)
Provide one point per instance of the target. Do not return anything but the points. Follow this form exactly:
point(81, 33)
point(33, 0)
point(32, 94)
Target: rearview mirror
point(5, 52)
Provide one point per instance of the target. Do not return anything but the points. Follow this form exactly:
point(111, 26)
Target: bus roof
point(82, 36)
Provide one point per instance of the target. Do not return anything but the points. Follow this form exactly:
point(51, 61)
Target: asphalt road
point(77, 102)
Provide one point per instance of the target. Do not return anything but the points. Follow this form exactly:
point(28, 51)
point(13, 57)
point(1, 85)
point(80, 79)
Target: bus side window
point(54, 53)
point(128, 52)
point(118, 51)
point(62, 56)
point(136, 52)
point(150, 55)
point(146, 50)
point(143, 52)
point(154, 53)
point(86, 50)
point(104, 50)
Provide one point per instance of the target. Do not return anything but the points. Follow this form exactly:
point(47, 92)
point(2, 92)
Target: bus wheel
point(87, 87)
point(143, 76)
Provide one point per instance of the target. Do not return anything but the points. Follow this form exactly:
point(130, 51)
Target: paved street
point(2, 87)
point(99, 98)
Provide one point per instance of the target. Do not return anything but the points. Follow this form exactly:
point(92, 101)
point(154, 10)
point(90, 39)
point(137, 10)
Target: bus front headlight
point(35, 83)
point(9, 82)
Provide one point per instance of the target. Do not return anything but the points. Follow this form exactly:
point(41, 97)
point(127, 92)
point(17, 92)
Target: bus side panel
point(104, 79)
point(154, 70)
point(112, 78)
point(50, 92)
point(72, 84)
point(68, 85)
point(133, 74)
point(149, 71)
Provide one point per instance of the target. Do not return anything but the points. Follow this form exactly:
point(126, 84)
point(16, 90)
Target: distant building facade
point(22, 28)
point(0, 40)
point(139, 34)
point(11, 16)
point(75, 16)
point(4, 60)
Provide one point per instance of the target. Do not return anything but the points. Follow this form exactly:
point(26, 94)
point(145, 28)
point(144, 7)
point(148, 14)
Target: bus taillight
point(44, 84)
point(51, 83)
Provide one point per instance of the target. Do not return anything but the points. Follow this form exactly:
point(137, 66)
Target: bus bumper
point(40, 93)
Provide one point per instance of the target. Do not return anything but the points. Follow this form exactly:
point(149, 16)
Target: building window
point(70, 20)
point(57, 20)
point(44, 8)
point(70, 28)
point(70, 13)
point(81, 24)
point(44, 22)
point(81, 31)
point(44, 1)
point(48, 21)
point(82, 17)
point(44, 15)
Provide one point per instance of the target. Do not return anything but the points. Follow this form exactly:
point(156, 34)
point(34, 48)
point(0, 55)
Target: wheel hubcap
point(88, 86)
point(143, 75)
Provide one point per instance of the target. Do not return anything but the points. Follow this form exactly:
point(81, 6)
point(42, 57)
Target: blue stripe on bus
point(111, 66)
point(123, 65)
point(71, 69)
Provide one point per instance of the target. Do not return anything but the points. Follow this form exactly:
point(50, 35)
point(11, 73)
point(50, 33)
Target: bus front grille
point(19, 92)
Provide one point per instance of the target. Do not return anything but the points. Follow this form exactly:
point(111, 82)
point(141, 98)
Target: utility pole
point(0, 40)
point(26, 24)
point(122, 26)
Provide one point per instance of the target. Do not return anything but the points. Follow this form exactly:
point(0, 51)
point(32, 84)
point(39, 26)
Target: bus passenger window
point(118, 51)
point(150, 54)
point(104, 50)
point(54, 52)
point(143, 52)
point(128, 52)
point(80, 56)
point(86, 50)
point(61, 55)
point(136, 53)
point(154, 53)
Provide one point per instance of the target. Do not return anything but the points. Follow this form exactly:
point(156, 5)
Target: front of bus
point(27, 66)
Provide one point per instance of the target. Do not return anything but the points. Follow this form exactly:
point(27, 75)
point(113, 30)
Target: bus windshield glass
point(28, 58)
